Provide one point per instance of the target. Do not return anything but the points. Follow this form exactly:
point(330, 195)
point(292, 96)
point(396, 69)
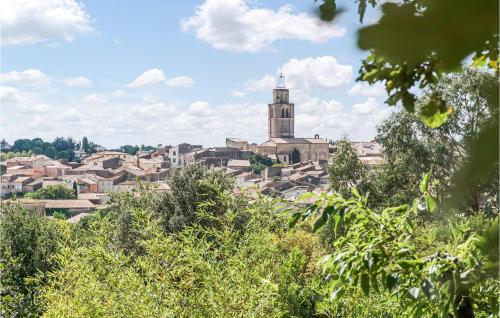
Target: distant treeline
point(61, 148)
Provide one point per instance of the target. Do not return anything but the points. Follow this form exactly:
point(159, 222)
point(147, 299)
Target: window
point(283, 113)
point(287, 116)
point(174, 153)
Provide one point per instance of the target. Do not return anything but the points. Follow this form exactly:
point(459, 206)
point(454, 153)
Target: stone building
point(281, 132)
point(281, 143)
point(177, 154)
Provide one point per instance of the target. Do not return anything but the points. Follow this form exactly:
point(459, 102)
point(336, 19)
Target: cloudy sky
point(150, 72)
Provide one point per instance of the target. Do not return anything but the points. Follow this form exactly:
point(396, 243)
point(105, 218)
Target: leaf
point(390, 281)
point(320, 222)
point(292, 220)
point(328, 10)
point(435, 112)
point(414, 292)
point(365, 283)
point(355, 192)
point(431, 203)
point(337, 293)
point(453, 29)
point(425, 182)
point(337, 221)
point(408, 264)
point(428, 289)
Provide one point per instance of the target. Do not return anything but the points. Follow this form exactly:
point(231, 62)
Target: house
point(11, 184)
point(33, 186)
point(93, 184)
point(31, 205)
point(271, 172)
point(125, 186)
point(239, 164)
point(177, 153)
point(73, 207)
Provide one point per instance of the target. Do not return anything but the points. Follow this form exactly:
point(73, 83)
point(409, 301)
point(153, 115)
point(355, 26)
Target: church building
point(281, 143)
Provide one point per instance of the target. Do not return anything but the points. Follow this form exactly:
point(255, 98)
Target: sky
point(165, 72)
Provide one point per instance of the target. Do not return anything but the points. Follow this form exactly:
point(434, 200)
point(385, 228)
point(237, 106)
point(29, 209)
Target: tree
point(53, 192)
point(22, 145)
point(131, 150)
point(75, 188)
point(63, 144)
point(85, 144)
point(295, 156)
point(37, 150)
point(27, 246)
point(387, 253)
point(345, 170)
point(50, 152)
point(259, 162)
point(68, 155)
point(411, 148)
point(414, 44)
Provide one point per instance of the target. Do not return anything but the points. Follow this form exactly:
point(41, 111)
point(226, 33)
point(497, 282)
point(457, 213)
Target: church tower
point(280, 113)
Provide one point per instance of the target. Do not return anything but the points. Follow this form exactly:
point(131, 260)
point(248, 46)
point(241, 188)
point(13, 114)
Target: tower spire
point(280, 83)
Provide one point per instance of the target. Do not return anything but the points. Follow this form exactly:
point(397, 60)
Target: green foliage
point(411, 148)
point(8, 155)
point(60, 148)
point(131, 150)
point(62, 214)
point(233, 259)
point(390, 253)
point(345, 170)
point(52, 192)
point(259, 162)
point(27, 246)
point(50, 152)
point(86, 145)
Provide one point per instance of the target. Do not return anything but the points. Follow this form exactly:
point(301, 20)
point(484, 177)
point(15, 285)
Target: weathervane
point(280, 83)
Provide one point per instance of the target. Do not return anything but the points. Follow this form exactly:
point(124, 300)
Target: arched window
point(287, 116)
point(283, 113)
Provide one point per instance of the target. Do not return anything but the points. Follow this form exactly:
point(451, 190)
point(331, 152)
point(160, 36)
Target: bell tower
point(280, 112)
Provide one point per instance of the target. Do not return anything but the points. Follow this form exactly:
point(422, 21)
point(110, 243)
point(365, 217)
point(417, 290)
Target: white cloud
point(9, 95)
point(78, 82)
point(267, 82)
point(332, 120)
point(148, 119)
point(32, 21)
point(321, 72)
point(180, 81)
point(199, 108)
point(234, 25)
point(365, 89)
point(15, 100)
point(94, 99)
point(30, 77)
point(119, 93)
point(367, 107)
point(238, 94)
point(150, 77)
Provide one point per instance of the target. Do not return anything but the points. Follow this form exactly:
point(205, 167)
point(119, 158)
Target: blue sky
point(149, 72)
